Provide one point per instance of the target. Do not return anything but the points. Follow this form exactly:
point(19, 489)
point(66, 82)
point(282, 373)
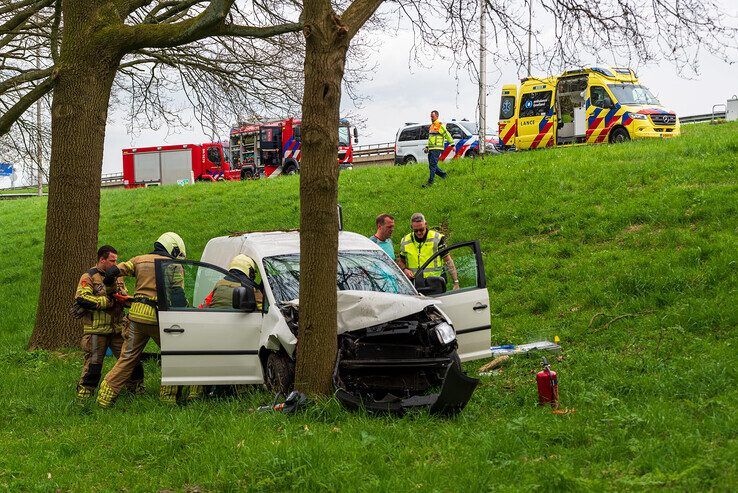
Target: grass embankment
point(629, 253)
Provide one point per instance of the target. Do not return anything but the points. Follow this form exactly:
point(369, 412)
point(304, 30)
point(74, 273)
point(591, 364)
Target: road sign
point(6, 169)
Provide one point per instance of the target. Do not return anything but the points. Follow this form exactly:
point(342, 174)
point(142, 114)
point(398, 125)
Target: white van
point(412, 139)
point(395, 346)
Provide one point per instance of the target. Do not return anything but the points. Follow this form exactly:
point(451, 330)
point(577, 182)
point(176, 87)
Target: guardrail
point(707, 117)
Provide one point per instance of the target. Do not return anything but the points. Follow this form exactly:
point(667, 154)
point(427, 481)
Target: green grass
point(573, 238)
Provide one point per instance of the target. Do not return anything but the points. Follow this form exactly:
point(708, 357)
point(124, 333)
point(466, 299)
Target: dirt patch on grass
point(633, 228)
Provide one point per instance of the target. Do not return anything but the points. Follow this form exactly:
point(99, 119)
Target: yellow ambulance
point(583, 106)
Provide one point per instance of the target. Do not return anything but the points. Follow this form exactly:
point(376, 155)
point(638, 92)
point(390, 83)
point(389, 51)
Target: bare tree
point(87, 48)
point(630, 29)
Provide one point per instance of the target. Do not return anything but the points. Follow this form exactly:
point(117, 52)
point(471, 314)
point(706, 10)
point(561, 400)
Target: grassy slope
point(573, 238)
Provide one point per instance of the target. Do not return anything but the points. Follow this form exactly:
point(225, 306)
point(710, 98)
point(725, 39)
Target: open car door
point(201, 344)
point(467, 306)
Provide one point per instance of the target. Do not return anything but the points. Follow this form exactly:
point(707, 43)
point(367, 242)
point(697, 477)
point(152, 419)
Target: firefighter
point(437, 135)
point(143, 314)
point(419, 246)
point(103, 323)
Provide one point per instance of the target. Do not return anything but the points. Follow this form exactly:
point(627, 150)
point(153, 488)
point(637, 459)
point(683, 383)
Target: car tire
point(410, 160)
point(279, 374)
point(619, 135)
point(472, 154)
point(290, 169)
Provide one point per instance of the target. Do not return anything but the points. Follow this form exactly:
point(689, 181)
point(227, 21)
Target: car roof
point(259, 245)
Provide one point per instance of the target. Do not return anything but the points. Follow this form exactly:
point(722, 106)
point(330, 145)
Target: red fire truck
point(275, 148)
point(172, 164)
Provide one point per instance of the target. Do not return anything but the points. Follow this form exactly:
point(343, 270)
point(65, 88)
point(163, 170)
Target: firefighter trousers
point(130, 357)
point(95, 346)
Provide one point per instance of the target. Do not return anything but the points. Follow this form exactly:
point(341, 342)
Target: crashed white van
point(396, 347)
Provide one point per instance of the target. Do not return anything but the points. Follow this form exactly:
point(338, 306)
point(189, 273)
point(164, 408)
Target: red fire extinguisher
point(548, 385)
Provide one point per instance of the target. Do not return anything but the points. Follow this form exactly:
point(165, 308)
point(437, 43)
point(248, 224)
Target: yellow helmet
point(244, 263)
point(173, 244)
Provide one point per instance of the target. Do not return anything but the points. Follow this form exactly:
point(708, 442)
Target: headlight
point(638, 116)
point(445, 333)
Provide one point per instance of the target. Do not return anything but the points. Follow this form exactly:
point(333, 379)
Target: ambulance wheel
point(279, 374)
point(290, 169)
point(619, 135)
point(410, 160)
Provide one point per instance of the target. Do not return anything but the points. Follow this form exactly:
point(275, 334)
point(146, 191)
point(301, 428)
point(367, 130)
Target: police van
point(582, 106)
point(411, 141)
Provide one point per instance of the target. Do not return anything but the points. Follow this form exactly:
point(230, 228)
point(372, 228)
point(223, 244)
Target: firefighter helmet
point(173, 244)
point(244, 263)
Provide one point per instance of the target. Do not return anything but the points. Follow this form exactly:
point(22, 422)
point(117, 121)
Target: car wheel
point(279, 374)
point(410, 160)
point(619, 135)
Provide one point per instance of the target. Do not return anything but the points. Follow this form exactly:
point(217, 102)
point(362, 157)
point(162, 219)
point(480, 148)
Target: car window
point(361, 270)
point(455, 131)
point(424, 132)
point(535, 104)
point(599, 97)
point(411, 133)
point(507, 107)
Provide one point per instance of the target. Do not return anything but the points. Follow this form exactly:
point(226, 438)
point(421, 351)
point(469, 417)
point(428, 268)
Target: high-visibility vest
point(437, 135)
point(416, 253)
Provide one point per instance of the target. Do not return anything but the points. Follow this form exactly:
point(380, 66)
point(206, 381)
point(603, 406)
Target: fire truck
point(172, 164)
point(275, 148)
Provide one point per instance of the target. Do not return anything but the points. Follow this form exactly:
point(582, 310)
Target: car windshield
point(344, 137)
point(469, 126)
point(632, 94)
point(361, 270)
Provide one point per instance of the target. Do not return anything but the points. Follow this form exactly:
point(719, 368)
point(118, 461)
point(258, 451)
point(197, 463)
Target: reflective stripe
point(417, 253)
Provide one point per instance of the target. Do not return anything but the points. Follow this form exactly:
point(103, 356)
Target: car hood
point(361, 309)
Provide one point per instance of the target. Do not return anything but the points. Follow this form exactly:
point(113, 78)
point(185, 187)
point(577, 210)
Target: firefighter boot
point(84, 393)
point(106, 395)
point(197, 392)
point(168, 394)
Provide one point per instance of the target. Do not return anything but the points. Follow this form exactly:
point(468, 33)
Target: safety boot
point(168, 394)
point(137, 388)
point(106, 395)
point(197, 392)
point(84, 393)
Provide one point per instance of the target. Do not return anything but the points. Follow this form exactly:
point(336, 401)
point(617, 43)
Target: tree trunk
point(79, 113)
point(325, 56)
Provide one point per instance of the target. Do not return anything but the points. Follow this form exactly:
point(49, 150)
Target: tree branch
point(356, 15)
point(15, 111)
point(24, 77)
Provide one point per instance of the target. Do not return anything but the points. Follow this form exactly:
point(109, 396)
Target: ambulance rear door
point(536, 117)
point(508, 122)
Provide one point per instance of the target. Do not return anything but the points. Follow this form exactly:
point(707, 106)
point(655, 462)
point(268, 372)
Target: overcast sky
point(401, 92)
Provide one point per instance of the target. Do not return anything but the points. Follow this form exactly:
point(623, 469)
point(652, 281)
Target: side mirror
point(356, 133)
point(244, 299)
point(430, 285)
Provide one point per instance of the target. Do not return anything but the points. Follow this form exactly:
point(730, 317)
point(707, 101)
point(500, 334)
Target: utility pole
point(483, 78)
point(530, 32)
point(39, 148)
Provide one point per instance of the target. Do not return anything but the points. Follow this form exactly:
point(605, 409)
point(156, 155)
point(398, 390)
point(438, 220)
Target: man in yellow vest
point(437, 136)
point(420, 245)
point(144, 312)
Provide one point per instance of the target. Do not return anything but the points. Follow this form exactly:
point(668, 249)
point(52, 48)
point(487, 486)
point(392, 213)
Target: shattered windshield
point(361, 270)
point(633, 94)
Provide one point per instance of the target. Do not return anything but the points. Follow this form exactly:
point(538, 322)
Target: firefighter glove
point(111, 275)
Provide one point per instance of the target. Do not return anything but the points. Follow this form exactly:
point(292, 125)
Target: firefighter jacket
point(437, 134)
point(415, 253)
point(144, 306)
point(103, 315)
point(222, 294)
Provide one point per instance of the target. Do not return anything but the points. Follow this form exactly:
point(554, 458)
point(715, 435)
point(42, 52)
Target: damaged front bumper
point(455, 393)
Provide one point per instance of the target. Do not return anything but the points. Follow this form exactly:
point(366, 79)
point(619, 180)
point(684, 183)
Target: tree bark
point(86, 69)
point(325, 57)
